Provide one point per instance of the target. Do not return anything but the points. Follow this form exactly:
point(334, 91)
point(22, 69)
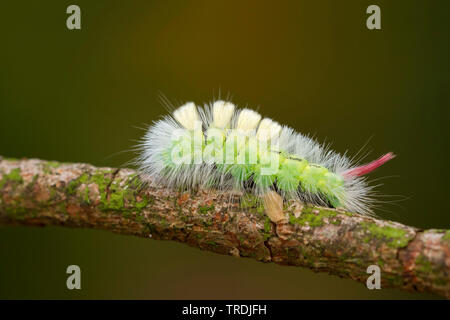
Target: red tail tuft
point(365, 169)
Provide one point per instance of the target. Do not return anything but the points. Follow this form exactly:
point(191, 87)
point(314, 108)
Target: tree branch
point(36, 192)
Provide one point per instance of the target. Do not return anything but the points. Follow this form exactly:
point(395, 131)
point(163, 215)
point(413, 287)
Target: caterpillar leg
point(273, 205)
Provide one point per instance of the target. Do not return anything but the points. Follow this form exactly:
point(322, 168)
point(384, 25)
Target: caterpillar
point(222, 147)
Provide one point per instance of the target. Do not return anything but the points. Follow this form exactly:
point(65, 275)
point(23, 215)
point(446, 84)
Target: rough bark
point(36, 192)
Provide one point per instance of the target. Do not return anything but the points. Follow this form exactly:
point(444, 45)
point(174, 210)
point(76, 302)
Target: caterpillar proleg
point(219, 146)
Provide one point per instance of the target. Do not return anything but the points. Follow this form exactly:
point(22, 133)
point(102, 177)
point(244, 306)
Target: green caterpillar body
point(246, 165)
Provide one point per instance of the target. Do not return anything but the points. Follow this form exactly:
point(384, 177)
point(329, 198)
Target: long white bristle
point(187, 115)
point(222, 113)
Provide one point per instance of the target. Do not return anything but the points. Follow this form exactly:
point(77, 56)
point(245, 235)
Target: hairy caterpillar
point(217, 146)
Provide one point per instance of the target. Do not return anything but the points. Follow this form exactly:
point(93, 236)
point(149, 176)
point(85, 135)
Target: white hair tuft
point(222, 113)
point(248, 120)
point(268, 129)
point(187, 115)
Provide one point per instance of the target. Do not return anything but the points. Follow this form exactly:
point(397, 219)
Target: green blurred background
point(79, 96)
